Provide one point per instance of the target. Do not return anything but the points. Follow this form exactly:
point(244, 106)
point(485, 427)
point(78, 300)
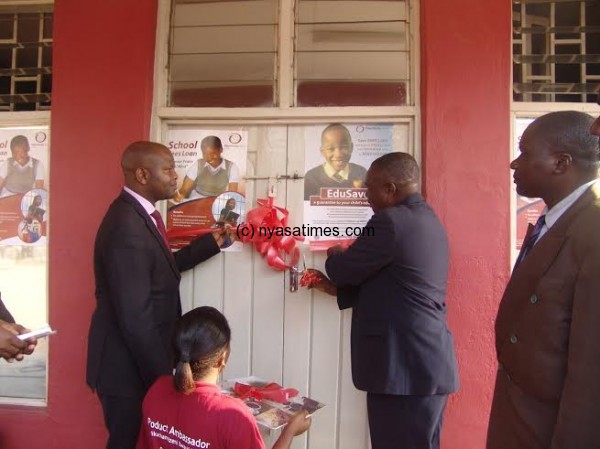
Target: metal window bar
point(544, 66)
point(26, 89)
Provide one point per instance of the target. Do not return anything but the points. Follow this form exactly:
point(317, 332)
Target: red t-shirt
point(204, 419)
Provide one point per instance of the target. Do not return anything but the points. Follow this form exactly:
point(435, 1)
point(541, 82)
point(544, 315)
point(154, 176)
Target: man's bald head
point(139, 155)
point(148, 169)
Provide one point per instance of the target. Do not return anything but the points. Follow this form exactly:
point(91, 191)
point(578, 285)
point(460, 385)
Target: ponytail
point(202, 337)
point(183, 380)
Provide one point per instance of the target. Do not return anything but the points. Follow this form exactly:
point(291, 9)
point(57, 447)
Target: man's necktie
point(337, 177)
point(161, 226)
point(531, 239)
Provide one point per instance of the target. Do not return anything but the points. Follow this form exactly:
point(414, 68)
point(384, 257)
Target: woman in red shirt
point(188, 409)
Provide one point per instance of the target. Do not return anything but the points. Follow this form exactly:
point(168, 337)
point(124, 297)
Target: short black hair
point(339, 126)
point(569, 132)
point(211, 142)
point(399, 167)
point(19, 140)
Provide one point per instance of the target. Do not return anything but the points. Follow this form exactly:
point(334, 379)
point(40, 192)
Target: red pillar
point(102, 98)
point(465, 91)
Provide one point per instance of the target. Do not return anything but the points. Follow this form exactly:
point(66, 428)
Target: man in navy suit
point(395, 281)
point(137, 291)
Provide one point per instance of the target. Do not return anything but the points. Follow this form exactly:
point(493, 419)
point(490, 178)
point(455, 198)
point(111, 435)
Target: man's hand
point(10, 346)
point(323, 283)
point(9, 343)
point(222, 234)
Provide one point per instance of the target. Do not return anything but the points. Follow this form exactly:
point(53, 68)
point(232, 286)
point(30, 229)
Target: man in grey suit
point(137, 291)
point(547, 392)
point(395, 281)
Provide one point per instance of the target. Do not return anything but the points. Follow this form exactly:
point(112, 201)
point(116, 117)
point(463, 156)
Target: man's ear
point(563, 162)
point(142, 175)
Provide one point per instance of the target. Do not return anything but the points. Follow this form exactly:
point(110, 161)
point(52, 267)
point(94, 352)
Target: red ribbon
point(272, 392)
point(309, 279)
point(273, 244)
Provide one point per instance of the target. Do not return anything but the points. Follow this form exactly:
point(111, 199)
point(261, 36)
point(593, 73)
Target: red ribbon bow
point(272, 244)
point(273, 392)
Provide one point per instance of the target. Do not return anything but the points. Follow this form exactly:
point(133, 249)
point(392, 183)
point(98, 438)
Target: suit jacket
point(137, 300)
point(316, 178)
point(395, 282)
point(548, 339)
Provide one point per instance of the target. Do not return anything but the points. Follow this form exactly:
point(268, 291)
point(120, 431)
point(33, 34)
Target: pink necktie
point(161, 226)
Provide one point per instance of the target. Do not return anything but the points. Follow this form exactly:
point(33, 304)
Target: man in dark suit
point(337, 171)
point(12, 348)
point(547, 392)
point(395, 281)
point(137, 291)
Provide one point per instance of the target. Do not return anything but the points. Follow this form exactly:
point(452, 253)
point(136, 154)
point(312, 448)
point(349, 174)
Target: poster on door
point(24, 186)
point(527, 210)
point(211, 170)
point(337, 157)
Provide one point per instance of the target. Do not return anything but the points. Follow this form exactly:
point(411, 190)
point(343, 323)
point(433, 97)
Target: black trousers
point(123, 417)
point(405, 422)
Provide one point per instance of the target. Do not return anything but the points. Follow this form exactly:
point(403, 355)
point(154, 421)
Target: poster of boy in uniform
point(209, 164)
point(23, 184)
point(337, 157)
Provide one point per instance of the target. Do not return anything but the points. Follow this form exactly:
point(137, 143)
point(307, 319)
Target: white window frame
point(11, 119)
point(29, 118)
point(285, 113)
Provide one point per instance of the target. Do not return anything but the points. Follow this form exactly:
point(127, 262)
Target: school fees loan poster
point(211, 170)
point(24, 186)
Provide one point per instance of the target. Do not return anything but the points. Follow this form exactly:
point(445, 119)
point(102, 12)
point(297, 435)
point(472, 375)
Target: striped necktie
point(531, 239)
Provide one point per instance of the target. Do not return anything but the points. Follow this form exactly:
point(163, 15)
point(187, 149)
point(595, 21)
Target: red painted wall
point(102, 96)
point(103, 65)
point(465, 88)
